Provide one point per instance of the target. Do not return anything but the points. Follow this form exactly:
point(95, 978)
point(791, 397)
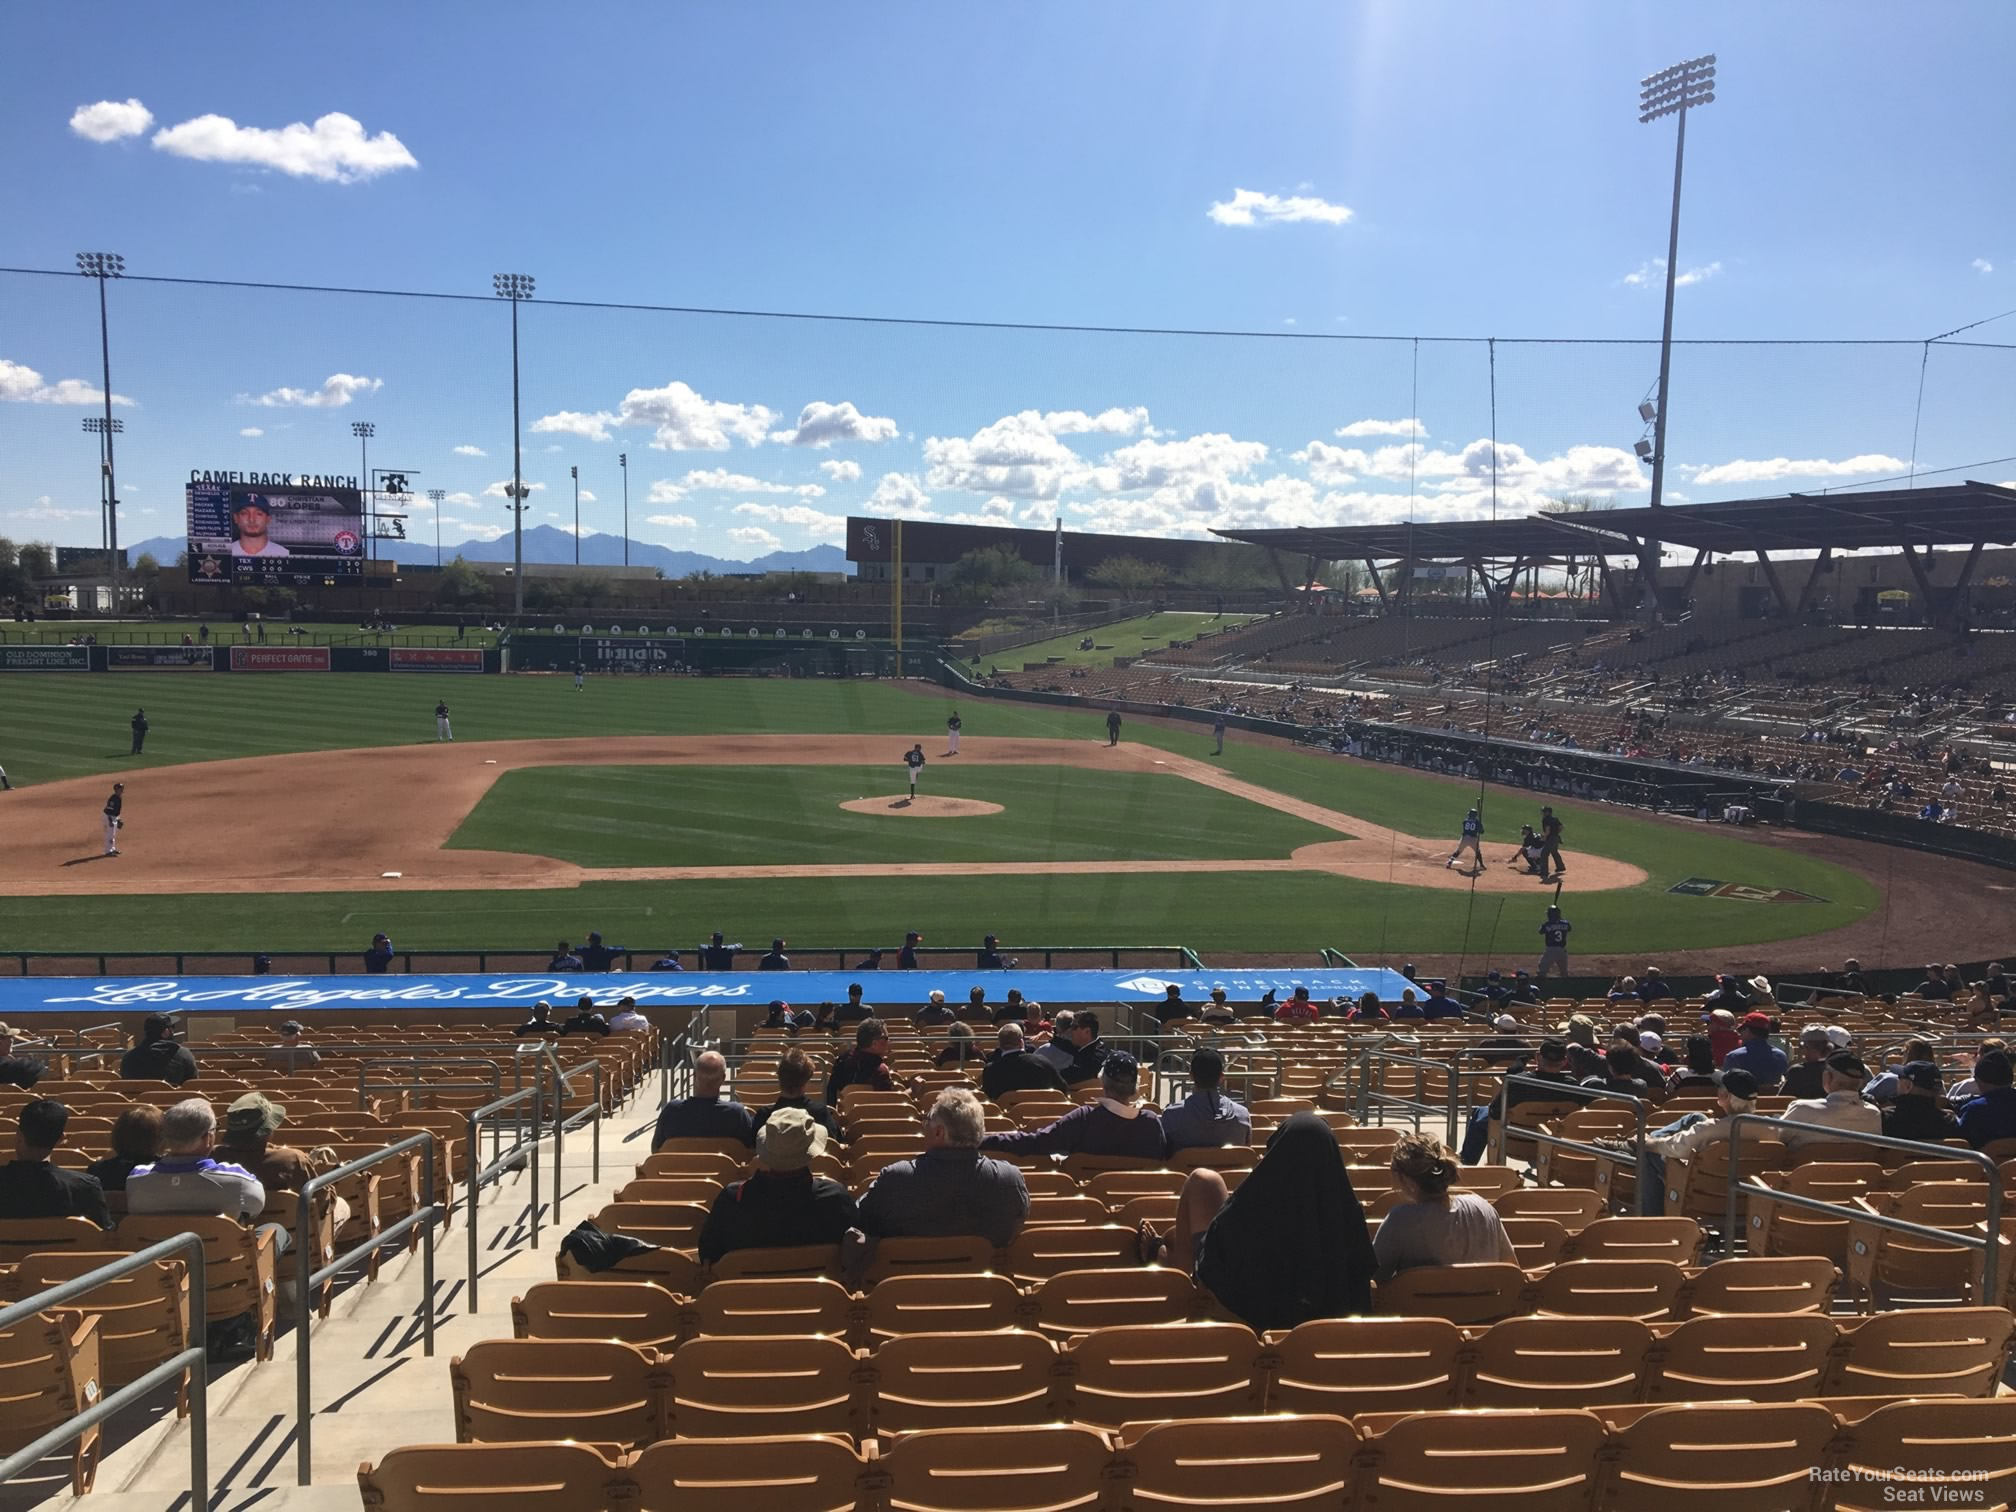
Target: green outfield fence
point(67, 963)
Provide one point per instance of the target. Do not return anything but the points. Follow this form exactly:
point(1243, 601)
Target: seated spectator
point(249, 1124)
point(794, 1075)
point(867, 1063)
point(541, 1022)
point(585, 1020)
point(1697, 1071)
point(1686, 1135)
point(1965, 1090)
point(156, 1056)
point(1934, 986)
point(1552, 1068)
point(564, 958)
point(960, 1047)
point(668, 962)
point(1884, 1088)
point(783, 1203)
point(1653, 987)
point(1917, 1110)
point(1369, 1010)
point(1089, 1053)
point(1114, 1125)
point(705, 1114)
point(1767, 1063)
point(1494, 992)
point(1840, 1106)
point(291, 1054)
point(1503, 1045)
point(627, 1019)
point(717, 954)
point(951, 1188)
point(1729, 993)
point(379, 957)
point(1624, 989)
point(1409, 1006)
point(1525, 989)
point(1058, 1049)
point(1207, 1119)
point(595, 956)
point(1432, 1225)
point(1290, 1245)
point(1806, 1079)
point(976, 1010)
point(775, 959)
point(1012, 1010)
point(934, 1011)
point(1014, 1067)
point(853, 1011)
point(781, 1015)
point(31, 1186)
point(1438, 1004)
point(17, 1070)
point(1623, 1071)
point(136, 1141)
point(1299, 1009)
point(189, 1179)
point(1991, 1113)
point(1172, 1008)
point(1218, 1009)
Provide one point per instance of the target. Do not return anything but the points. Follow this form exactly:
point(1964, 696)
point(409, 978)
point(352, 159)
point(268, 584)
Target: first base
point(391, 874)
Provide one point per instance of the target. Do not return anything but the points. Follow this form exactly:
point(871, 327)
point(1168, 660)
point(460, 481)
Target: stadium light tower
point(364, 430)
point(623, 461)
point(575, 474)
point(97, 426)
point(101, 266)
point(436, 495)
point(516, 287)
point(1672, 91)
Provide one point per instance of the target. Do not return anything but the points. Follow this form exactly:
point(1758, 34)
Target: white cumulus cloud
point(1770, 469)
point(1357, 428)
point(591, 427)
point(111, 120)
point(335, 149)
point(841, 471)
point(1982, 265)
point(21, 384)
point(822, 424)
point(1161, 464)
point(1250, 207)
point(816, 523)
point(665, 491)
point(470, 451)
point(684, 420)
point(501, 489)
point(337, 390)
point(755, 537)
point(1109, 422)
point(1652, 275)
point(1017, 455)
point(720, 480)
point(672, 521)
point(898, 494)
point(251, 430)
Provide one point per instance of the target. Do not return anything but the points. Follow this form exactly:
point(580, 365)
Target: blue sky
point(1423, 169)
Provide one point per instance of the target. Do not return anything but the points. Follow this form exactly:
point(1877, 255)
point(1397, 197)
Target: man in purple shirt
point(1114, 1125)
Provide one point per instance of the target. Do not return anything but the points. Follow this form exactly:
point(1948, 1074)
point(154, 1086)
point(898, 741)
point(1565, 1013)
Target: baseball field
point(303, 812)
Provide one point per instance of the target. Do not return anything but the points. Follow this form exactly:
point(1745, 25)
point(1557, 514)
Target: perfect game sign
point(262, 528)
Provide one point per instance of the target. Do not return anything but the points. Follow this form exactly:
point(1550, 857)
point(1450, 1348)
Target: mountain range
point(546, 543)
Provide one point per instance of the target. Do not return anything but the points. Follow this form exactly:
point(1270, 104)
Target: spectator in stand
point(1289, 1246)
point(1299, 1009)
point(906, 958)
point(379, 957)
point(990, 958)
point(291, 1055)
point(705, 1114)
point(1432, 1225)
point(16, 1070)
point(1966, 1090)
point(1729, 993)
point(1207, 1118)
point(585, 1020)
point(1808, 1077)
point(960, 1048)
point(541, 1021)
point(1653, 987)
point(1089, 1052)
point(189, 1179)
point(1933, 987)
point(1687, 1135)
point(976, 1010)
point(1525, 989)
point(156, 1056)
point(867, 1064)
point(249, 1125)
point(1918, 1111)
point(1623, 1071)
point(1013, 1009)
point(1723, 1036)
point(1991, 1114)
point(1409, 1006)
point(783, 1203)
point(1887, 1086)
point(1624, 989)
point(1114, 1125)
point(627, 1019)
point(1059, 1052)
point(934, 1010)
point(595, 956)
point(1502, 1046)
point(1013, 1067)
point(952, 1188)
point(1697, 1070)
point(31, 1186)
point(564, 959)
point(775, 959)
point(668, 962)
point(1851, 978)
point(1438, 1004)
point(853, 1011)
point(1369, 1010)
point(716, 955)
point(136, 1141)
point(1840, 1107)
point(1172, 1009)
point(794, 1075)
point(1494, 992)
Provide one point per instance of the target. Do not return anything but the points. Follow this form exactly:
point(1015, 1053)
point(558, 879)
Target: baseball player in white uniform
point(441, 730)
point(952, 734)
point(914, 760)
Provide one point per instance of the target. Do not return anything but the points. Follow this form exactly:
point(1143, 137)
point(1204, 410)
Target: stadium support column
point(1820, 565)
point(1777, 588)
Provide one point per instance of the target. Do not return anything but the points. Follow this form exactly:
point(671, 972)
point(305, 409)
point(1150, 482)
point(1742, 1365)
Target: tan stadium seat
point(803, 1473)
point(1699, 1188)
point(774, 1306)
point(1539, 1242)
point(723, 1388)
point(1285, 1464)
point(1674, 1239)
point(633, 1312)
point(1775, 1359)
point(1734, 1457)
point(1558, 1362)
point(1086, 1168)
point(1609, 1289)
point(1180, 1370)
point(1896, 1453)
point(1464, 1294)
point(597, 1391)
point(1040, 1253)
point(1051, 1183)
point(1159, 1213)
point(239, 1267)
point(1781, 1229)
point(1574, 1208)
point(673, 1162)
point(143, 1316)
point(1116, 1187)
point(1490, 1181)
point(22, 1237)
point(1577, 1169)
point(1077, 1210)
point(1371, 1146)
point(965, 1381)
point(781, 1261)
point(1076, 1302)
point(1912, 1173)
point(1055, 1468)
point(534, 1477)
point(1524, 1119)
point(927, 1254)
point(1275, 1109)
point(903, 1305)
point(1884, 1265)
point(50, 1370)
point(1350, 1365)
point(1496, 1462)
point(669, 1225)
point(675, 1270)
point(731, 1149)
point(1760, 1284)
point(700, 1189)
point(1925, 1352)
point(1224, 1158)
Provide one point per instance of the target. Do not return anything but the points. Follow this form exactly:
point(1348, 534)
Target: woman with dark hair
point(1699, 1071)
point(1433, 1225)
point(1290, 1245)
point(1369, 1010)
point(136, 1141)
point(960, 1046)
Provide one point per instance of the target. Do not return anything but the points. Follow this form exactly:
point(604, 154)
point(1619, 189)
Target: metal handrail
point(522, 1153)
point(1988, 1242)
point(194, 1359)
point(1580, 1094)
point(305, 1281)
point(592, 1115)
point(365, 1086)
point(1456, 1071)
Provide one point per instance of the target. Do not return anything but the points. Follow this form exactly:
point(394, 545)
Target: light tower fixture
point(97, 425)
point(1672, 91)
point(364, 430)
point(435, 496)
point(516, 287)
point(103, 266)
point(623, 461)
point(575, 474)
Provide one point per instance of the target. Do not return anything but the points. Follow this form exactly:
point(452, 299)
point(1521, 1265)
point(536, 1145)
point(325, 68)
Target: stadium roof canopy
point(1956, 515)
point(1535, 537)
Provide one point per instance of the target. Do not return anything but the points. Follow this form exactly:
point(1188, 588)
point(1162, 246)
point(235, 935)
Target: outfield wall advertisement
point(279, 658)
point(286, 995)
point(45, 658)
point(434, 659)
point(160, 658)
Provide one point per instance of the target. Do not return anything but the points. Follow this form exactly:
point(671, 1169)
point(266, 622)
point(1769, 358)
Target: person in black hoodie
point(595, 956)
point(156, 1056)
point(32, 1187)
point(1089, 1052)
point(783, 1204)
point(585, 1019)
point(794, 1074)
point(1921, 1110)
point(866, 1063)
point(1013, 1068)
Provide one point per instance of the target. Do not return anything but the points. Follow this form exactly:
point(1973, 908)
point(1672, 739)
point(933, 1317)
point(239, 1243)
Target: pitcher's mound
point(921, 807)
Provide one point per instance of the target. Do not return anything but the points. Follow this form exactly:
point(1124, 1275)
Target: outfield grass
point(1151, 632)
point(64, 725)
point(782, 816)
